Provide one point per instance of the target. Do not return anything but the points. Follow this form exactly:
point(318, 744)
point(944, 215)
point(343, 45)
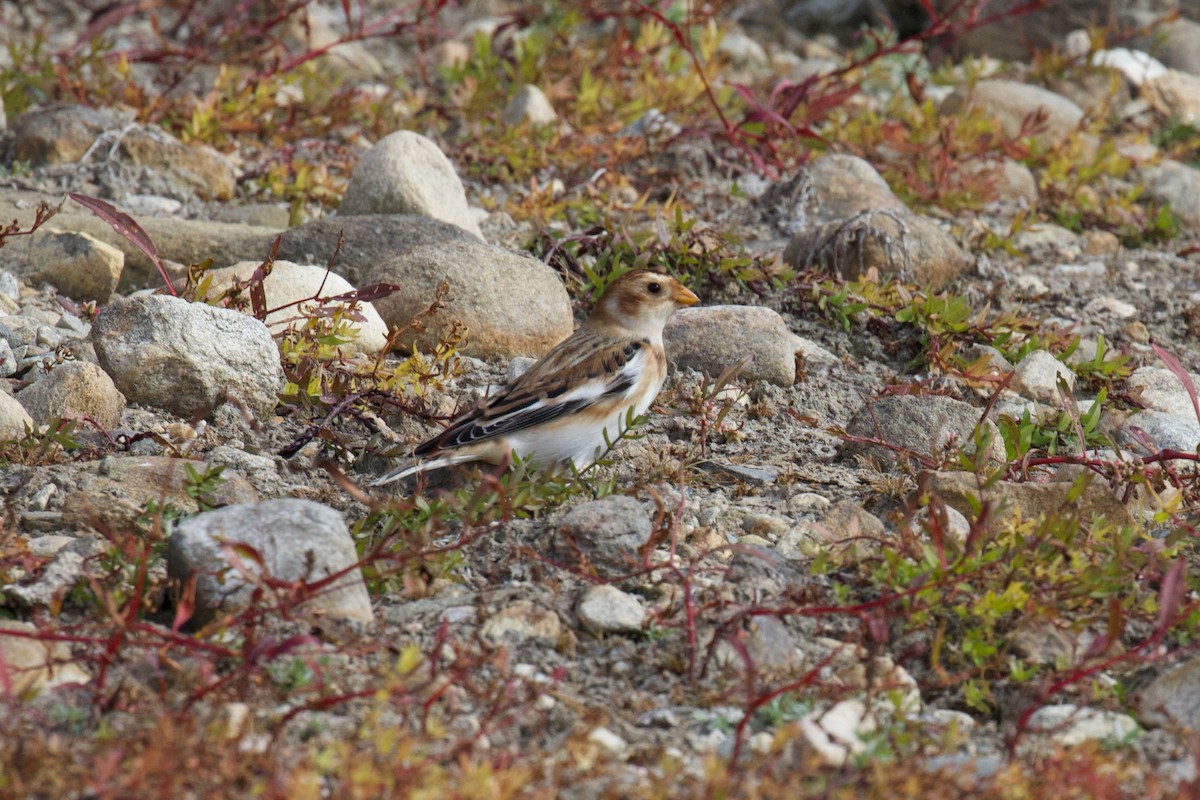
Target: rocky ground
point(912, 518)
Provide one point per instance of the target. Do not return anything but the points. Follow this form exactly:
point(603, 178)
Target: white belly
point(572, 440)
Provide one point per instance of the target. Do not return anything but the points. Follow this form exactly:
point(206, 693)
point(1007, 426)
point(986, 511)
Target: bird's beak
point(686, 297)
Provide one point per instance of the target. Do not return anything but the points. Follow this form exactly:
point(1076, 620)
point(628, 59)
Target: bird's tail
point(421, 465)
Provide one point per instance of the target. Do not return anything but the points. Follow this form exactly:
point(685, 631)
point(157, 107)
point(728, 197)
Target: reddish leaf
point(1173, 364)
point(186, 606)
point(127, 228)
point(1170, 594)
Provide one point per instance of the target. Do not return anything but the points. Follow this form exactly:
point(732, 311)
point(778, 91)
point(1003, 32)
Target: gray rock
point(923, 424)
point(510, 304)
point(1172, 698)
point(179, 242)
point(33, 664)
point(1068, 725)
point(179, 170)
point(14, 419)
point(954, 526)
point(64, 134)
point(1162, 430)
point(520, 622)
point(60, 134)
point(8, 359)
point(295, 540)
point(1178, 184)
point(1011, 180)
point(832, 188)
point(72, 389)
point(1176, 43)
point(187, 358)
point(768, 644)
point(152, 205)
point(78, 265)
point(262, 215)
point(812, 353)
point(1012, 102)
point(530, 105)
point(845, 524)
point(113, 492)
point(61, 575)
point(1028, 501)
point(710, 338)
point(881, 245)
point(370, 239)
point(10, 285)
point(606, 609)
point(605, 533)
point(1042, 641)
point(743, 50)
point(1176, 94)
point(1106, 306)
point(1047, 236)
point(406, 173)
point(517, 367)
point(837, 733)
point(1159, 389)
point(1037, 376)
point(746, 473)
point(290, 283)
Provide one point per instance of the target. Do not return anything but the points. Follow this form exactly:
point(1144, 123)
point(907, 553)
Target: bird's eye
point(654, 288)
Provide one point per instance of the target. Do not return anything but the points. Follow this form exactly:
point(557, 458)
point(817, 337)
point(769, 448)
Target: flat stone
point(80, 266)
point(1160, 389)
point(179, 242)
point(60, 133)
point(1161, 430)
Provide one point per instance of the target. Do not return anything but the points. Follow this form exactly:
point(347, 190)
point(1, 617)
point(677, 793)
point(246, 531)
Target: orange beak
point(686, 297)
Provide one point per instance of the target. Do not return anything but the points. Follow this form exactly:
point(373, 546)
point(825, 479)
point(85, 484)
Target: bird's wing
point(568, 380)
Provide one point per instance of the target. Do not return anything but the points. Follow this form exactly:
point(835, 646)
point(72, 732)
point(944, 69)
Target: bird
point(573, 402)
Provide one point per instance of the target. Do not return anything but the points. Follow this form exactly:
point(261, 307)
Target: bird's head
point(642, 301)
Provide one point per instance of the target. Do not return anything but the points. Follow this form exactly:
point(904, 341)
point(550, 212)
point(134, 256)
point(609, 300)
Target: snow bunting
point(565, 405)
